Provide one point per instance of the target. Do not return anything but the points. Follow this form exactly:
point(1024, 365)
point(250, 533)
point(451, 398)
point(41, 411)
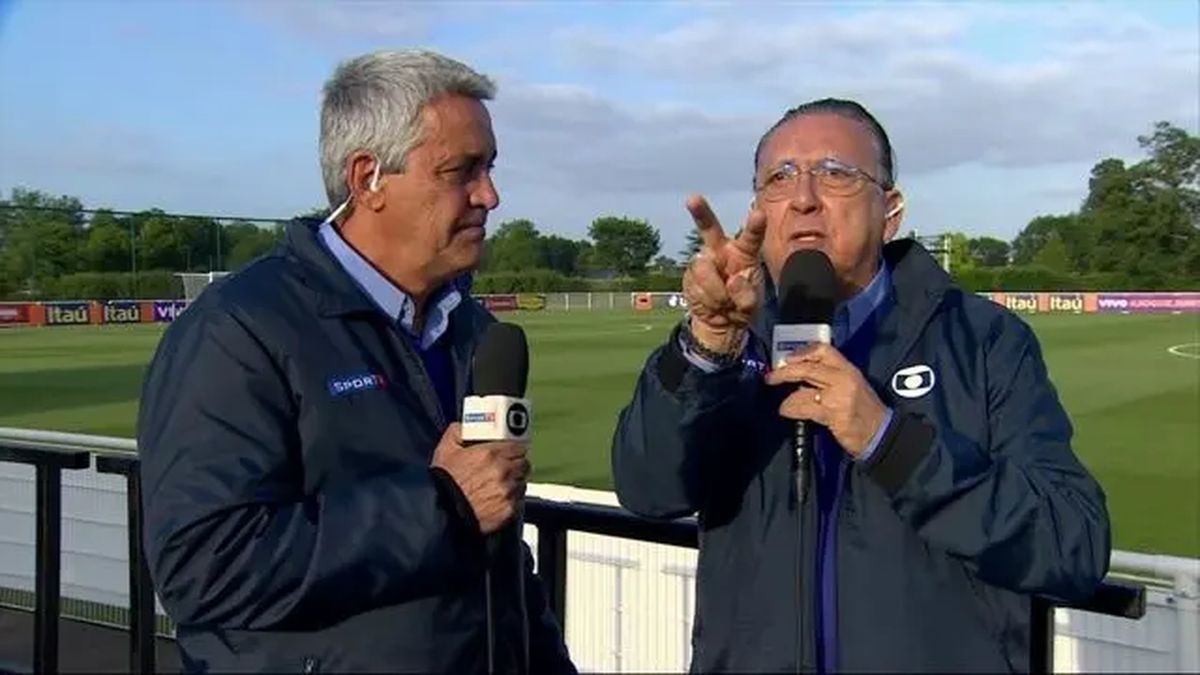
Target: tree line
point(1138, 228)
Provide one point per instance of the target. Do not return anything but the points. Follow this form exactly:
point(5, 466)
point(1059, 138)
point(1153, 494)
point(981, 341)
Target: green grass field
point(1136, 407)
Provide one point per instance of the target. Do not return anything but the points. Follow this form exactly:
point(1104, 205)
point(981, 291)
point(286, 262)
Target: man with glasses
point(943, 489)
point(309, 503)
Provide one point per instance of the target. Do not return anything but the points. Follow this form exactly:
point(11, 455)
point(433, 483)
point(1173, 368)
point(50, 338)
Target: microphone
point(807, 297)
point(497, 409)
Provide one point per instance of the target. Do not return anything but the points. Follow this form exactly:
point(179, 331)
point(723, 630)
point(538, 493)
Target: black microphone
point(807, 298)
point(497, 410)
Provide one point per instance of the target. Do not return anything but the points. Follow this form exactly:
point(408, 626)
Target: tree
point(315, 213)
point(1053, 255)
point(1142, 219)
point(561, 254)
point(197, 238)
point(158, 241)
point(624, 244)
point(960, 252)
point(515, 246)
point(106, 248)
point(247, 242)
point(692, 245)
point(988, 251)
point(665, 264)
point(1076, 237)
point(43, 238)
point(1174, 155)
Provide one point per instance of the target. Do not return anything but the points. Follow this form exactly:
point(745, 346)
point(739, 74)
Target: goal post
point(194, 283)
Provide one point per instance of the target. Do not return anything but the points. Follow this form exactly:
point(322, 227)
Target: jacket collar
point(337, 292)
point(918, 285)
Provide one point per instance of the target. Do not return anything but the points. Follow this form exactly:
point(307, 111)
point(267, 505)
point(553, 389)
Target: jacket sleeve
point(667, 437)
point(547, 645)
point(232, 539)
point(1023, 512)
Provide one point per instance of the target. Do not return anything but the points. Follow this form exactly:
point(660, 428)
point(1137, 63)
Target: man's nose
point(804, 196)
point(485, 194)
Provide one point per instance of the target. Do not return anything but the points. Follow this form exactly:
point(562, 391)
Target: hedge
point(152, 284)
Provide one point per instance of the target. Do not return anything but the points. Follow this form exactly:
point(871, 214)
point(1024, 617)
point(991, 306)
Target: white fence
point(629, 603)
point(585, 301)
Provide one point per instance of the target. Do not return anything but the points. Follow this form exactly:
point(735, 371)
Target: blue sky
point(997, 111)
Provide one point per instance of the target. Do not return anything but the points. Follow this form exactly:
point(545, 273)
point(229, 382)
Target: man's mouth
point(807, 237)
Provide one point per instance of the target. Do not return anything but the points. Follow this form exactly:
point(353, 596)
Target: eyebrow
point(472, 158)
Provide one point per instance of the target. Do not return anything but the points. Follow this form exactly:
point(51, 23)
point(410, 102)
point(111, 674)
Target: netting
point(195, 282)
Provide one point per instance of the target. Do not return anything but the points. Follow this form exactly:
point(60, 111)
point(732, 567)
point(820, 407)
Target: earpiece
point(374, 186)
point(898, 209)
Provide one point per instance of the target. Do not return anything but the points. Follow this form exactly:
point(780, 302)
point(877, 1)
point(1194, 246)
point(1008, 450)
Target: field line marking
point(1181, 350)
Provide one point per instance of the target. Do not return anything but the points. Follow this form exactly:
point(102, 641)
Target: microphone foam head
point(501, 363)
point(807, 288)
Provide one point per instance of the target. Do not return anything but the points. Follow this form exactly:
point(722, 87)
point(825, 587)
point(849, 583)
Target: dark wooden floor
point(82, 647)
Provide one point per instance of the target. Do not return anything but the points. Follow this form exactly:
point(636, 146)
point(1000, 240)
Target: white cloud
point(574, 139)
point(1101, 77)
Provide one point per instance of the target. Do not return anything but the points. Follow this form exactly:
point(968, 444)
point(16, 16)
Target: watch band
point(717, 358)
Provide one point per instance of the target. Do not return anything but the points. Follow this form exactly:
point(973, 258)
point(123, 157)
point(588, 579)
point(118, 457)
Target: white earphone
point(374, 186)
point(898, 209)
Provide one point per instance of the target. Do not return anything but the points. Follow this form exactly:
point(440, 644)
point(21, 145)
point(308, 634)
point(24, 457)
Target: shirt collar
point(387, 296)
point(852, 314)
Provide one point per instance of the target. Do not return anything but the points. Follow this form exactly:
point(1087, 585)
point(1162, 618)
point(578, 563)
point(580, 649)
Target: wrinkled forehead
point(458, 125)
point(808, 138)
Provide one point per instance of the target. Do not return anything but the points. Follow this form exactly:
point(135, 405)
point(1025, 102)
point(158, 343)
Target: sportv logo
point(340, 386)
point(479, 417)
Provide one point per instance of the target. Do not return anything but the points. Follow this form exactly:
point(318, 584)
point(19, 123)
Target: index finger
point(817, 352)
point(810, 372)
point(706, 221)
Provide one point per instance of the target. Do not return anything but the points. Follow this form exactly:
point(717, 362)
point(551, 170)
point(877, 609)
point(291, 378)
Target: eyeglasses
point(832, 177)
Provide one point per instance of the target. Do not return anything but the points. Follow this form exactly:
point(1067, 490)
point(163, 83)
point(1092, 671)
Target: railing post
point(1041, 635)
point(47, 577)
point(552, 567)
point(47, 580)
point(141, 590)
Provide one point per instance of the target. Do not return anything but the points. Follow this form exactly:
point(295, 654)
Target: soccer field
point(1134, 401)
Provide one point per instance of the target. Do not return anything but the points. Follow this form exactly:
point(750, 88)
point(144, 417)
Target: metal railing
point(54, 453)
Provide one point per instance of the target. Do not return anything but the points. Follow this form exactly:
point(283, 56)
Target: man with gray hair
point(936, 489)
point(309, 503)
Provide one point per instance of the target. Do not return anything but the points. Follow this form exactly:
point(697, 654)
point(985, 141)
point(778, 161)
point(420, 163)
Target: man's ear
point(894, 201)
point(363, 175)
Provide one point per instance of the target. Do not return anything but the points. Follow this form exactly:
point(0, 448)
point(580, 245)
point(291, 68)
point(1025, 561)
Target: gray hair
point(373, 103)
point(850, 110)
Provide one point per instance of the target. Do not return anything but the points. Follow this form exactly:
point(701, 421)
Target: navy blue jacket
point(293, 522)
point(973, 501)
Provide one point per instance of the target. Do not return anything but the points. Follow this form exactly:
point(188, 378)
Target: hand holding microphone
point(833, 392)
point(491, 475)
point(486, 453)
point(837, 396)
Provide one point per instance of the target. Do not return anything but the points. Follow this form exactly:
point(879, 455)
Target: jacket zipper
point(427, 389)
